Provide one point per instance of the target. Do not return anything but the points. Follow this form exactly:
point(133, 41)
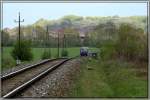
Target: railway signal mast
point(19, 37)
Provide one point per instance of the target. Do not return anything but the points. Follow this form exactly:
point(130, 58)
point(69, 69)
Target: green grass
point(8, 61)
point(108, 79)
point(37, 52)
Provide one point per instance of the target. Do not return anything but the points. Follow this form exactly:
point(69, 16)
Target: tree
point(22, 52)
point(104, 32)
point(130, 43)
point(6, 41)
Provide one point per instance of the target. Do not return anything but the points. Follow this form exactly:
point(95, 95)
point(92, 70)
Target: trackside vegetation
point(8, 61)
point(22, 51)
point(121, 69)
point(111, 78)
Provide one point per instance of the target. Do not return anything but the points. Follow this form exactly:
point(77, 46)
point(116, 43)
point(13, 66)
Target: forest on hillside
point(95, 29)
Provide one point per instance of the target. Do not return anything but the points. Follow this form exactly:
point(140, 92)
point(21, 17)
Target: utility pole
point(65, 39)
point(63, 43)
point(46, 44)
point(58, 46)
point(19, 37)
point(48, 39)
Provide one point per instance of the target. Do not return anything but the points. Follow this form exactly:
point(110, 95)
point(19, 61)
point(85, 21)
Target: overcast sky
point(31, 12)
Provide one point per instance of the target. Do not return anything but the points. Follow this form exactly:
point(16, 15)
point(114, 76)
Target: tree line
point(123, 40)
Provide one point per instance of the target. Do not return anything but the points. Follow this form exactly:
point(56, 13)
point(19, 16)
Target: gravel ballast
point(13, 82)
point(18, 67)
point(56, 84)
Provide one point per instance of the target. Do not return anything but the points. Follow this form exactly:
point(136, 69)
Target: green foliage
point(37, 54)
point(108, 50)
point(131, 42)
point(6, 39)
point(64, 53)
point(109, 78)
point(105, 26)
point(105, 32)
point(122, 80)
point(46, 54)
point(72, 18)
point(23, 52)
point(42, 22)
point(7, 62)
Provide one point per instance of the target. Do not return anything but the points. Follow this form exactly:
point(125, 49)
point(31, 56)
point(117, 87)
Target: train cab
point(84, 51)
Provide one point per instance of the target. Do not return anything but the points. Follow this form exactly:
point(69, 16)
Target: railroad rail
point(3, 77)
point(17, 81)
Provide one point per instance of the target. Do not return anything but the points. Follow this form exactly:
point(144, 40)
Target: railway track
point(17, 81)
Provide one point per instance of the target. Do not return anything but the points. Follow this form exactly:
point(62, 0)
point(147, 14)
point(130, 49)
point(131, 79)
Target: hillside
point(73, 26)
point(79, 22)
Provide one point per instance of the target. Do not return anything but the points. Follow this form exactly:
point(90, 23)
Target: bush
point(122, 80)
point(24, 52)
point(108, 51)
point(7, 62)
point(64, 53)
point(46, 55)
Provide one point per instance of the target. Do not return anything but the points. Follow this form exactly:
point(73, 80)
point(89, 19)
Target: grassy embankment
point(110, 78)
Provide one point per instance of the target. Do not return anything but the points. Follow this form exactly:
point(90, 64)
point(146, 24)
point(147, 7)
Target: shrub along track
point(14, 82)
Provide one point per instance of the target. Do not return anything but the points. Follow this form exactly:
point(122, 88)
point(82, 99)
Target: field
point(8, 61)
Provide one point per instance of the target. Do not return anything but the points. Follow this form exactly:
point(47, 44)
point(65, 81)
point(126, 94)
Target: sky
point(31, 12)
